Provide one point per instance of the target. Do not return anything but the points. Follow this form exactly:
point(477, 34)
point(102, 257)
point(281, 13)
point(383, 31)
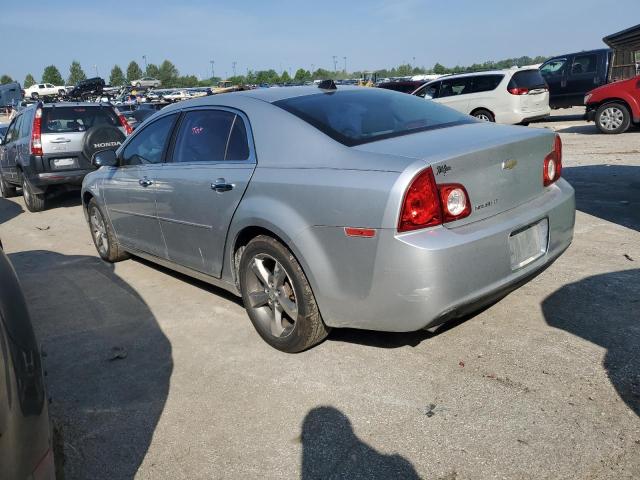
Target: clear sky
point(289, 34)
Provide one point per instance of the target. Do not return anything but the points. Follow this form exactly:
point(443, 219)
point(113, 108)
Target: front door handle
point(145, 182)
point(221, 185)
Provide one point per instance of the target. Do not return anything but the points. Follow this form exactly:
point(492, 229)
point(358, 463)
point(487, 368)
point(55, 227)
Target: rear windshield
point(354, 117)
point(530, 79)
point(76, 119)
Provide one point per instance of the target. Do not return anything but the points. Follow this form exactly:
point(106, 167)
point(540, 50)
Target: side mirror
point(105, 158)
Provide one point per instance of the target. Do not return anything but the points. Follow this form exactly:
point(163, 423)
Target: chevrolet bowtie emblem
point(509, 164)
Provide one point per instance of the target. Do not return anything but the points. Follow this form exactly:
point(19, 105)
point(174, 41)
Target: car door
point(10, 149)
point(454, 93)
point(129, 189)
point(554, 73)
point(583, 77)
point(202, 183)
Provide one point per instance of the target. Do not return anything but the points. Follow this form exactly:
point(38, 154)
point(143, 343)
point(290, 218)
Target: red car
point(615, 106)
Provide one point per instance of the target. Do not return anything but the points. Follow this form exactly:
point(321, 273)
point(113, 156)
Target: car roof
point(74, 104)
point(583, 52)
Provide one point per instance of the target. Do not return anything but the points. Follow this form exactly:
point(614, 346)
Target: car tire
point(274, 291)
point(61, 93)
point(484, 115)
point(103, 236)
point(138, 84)
point(613, 118)
point(6, 189)
point(35, 96)
point(35, 202)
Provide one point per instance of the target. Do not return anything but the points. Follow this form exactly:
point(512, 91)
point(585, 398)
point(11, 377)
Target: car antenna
point(327, 85)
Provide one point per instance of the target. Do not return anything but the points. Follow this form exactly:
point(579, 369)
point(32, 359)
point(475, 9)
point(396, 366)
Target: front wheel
point(35, 202)
point(103, 236)
point(612, 118)
point(278, 297)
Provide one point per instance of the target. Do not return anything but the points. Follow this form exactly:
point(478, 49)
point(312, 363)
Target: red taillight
point(552, 167)
point(455, 201)
point(426, 204)
point(124, 123)
point(518, 90)
point(36, 137)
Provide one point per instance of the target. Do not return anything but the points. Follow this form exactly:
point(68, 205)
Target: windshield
point(354, 117)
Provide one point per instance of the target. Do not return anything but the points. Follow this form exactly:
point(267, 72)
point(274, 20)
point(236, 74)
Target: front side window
point(147, 146)
point(361, 115)
point(211, 136)
point(584, 64)
point(455, 86)
point(486, 83)
point(554, 67)
point(429, 91)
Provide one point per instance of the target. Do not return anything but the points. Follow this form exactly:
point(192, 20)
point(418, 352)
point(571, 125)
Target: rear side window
point(486, 83)
point(455, 86)
point(362, 115)
point(237, 147)
point(204, 136)
point(530, 79)
point(76, 119)
point(584, 64)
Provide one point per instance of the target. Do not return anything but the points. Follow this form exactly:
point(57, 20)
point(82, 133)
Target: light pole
point(96, 68)
point(334, 64)
point(345, 64)
point(233, 65)
point(144, 58)
point(212, 72)
point(313, 68)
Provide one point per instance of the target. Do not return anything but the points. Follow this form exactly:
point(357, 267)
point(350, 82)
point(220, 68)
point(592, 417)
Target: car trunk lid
point(499, 166)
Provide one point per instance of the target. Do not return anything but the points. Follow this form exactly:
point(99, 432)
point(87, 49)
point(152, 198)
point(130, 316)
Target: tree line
point(170, 77)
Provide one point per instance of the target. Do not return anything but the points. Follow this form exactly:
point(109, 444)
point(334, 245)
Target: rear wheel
point(103, 236)
point(612, 118)
point(6, 189)
point(35, 202)
point(35, 96)
point(484, 115)
point(278, 297)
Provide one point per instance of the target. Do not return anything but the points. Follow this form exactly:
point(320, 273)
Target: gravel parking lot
point(154, 375)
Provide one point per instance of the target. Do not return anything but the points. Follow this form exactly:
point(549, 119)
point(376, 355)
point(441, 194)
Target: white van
point(519, 95)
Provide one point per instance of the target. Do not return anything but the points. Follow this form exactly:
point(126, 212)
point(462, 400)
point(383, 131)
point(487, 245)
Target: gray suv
point(49, 147)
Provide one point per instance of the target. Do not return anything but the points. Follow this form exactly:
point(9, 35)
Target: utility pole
point(313, 68)
point(233, 65)
point(212, 72)
point(144, 58)
point(345, 64)
point(96, 67)
point(334, 64)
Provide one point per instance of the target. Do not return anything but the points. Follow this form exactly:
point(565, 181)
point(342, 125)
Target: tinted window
point(203, 136)
point(429, 91)
point(13, 132)
point(455, 86)
point(76, 119)
point(554, 67)
point(584, 64)
point(486, 83)
point(25, 125)
point(148, 145)
point(530, 79)
point(238, 148)
point(363, 115)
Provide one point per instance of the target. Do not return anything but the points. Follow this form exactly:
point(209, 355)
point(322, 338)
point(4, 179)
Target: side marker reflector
point(359, 232)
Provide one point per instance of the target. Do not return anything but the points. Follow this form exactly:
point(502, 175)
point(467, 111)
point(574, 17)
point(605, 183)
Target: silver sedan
point(335, 207)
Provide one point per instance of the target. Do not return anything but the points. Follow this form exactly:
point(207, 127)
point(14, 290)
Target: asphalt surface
point(153, 375)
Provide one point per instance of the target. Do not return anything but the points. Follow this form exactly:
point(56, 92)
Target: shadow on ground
point(331, 450)
point(109, 362)
point(605, 310)
point(9, 210)
point(610, 192)
point(586, 129)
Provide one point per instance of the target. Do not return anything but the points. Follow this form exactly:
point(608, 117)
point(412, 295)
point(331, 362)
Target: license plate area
point(63, 163)
point(527, 244)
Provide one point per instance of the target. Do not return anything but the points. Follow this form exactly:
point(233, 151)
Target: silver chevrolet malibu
point(335, 207)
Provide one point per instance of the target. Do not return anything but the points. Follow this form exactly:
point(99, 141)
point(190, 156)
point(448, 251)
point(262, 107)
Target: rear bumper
point(517, 116)
point(70, 177)
point(405, 282)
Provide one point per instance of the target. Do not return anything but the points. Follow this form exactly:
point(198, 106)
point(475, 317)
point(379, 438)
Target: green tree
point(5, 79)
point(152, 71)
point(133, 72)
point(168, 74)
point(187, 81)
point(322, 74)
point(302, 75)
point(116, 78)
point(76, 74)
point(28, 81)
point(52, 75)
point(439, 69)
point(285, 77)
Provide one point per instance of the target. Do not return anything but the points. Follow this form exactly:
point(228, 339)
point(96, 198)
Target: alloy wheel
point(271, 295)
point(611, 118)
point(99, 232)
point(483, 117)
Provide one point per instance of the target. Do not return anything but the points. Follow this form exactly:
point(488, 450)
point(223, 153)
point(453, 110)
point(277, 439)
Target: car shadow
point(9, 210)
point(603, 309)
point(109, 363)
point(610, 192)
point(587, 129)
point(331, 450)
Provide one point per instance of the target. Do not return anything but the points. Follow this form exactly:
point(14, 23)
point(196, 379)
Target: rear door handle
point(145, 182)
point(221, 185)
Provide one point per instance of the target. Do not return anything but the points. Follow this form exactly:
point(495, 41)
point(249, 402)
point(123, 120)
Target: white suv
point(502, 96)
point(44, 90)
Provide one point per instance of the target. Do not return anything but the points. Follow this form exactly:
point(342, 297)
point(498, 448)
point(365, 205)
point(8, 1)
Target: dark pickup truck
point(571, 76)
